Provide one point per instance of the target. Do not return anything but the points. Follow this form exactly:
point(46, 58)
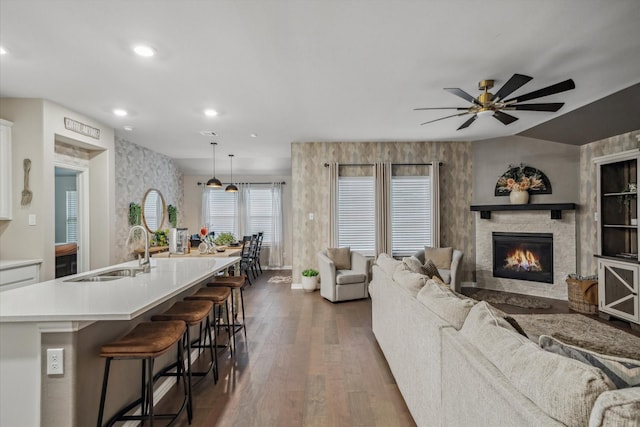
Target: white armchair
point(451, 276)
point(342, 285)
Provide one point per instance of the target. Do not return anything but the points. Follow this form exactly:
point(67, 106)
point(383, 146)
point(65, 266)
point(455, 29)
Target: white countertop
point(6, 264)
point(122, 299)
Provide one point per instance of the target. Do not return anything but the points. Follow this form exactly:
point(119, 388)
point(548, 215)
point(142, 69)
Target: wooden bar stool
point(233, 283)
point(145, 342)
point(219, 297)
point(193, 313)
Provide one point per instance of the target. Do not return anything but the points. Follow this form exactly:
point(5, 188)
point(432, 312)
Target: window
point(260, 213)
point(356, 214)
point(220, 211)
point(411, 214)
point(72, 216)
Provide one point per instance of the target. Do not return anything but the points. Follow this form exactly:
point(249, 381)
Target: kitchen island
point(79, 317)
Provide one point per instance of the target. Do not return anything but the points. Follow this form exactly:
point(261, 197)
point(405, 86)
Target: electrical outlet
point(32, 219)
point(55, 361)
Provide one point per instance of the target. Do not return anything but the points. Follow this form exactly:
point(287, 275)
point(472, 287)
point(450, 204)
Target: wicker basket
point(583, 295)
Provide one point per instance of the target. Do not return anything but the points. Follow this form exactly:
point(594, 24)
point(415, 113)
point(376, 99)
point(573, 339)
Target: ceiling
point(299, 71)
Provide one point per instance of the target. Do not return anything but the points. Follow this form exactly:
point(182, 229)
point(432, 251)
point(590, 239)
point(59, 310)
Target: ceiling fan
point(496, 105)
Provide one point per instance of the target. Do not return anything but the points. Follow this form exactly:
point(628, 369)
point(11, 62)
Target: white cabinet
point(5, 170)
point(618, 289)
point(618, 237)
point(15, 274)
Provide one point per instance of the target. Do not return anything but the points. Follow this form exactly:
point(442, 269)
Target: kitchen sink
point(108, 275)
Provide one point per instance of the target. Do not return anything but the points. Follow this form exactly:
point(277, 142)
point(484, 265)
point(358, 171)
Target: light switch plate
point(32, 219)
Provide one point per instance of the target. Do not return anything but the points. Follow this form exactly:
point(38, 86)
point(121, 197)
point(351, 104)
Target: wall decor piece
point(26, 193)
point(135, 213)
point(522, 178)
point(81, 128)
point(172, 211)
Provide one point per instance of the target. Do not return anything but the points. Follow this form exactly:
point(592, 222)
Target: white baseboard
point(469, 284)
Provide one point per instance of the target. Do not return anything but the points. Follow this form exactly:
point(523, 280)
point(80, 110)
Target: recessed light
point(120, 112)
point(128, 128)
point(144, 50)
point(210, 113)
point(254, 135)
point(3, 51)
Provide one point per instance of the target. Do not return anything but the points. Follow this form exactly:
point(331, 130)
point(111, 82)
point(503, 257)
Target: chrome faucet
point(144, 262)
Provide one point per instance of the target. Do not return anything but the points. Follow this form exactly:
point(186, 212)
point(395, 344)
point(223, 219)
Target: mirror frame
point(164, 210)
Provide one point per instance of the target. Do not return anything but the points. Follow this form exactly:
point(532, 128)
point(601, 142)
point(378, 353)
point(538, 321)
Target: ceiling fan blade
point(504, 117)
point(551, 106)
point(546, 91)
point(514, 83)
point(441, 108)
point(442, 118)
point(462, 94)
point(468, 122)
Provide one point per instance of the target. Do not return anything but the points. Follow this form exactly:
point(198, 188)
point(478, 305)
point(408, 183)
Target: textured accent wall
point(310, 191)
point(587, 227)
point(138, 169)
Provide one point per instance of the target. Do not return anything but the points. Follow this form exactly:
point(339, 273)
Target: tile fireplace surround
point(564, 250)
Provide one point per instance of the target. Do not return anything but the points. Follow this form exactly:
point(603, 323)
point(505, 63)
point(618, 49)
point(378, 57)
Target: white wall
point(193, 205)
point(37, 125)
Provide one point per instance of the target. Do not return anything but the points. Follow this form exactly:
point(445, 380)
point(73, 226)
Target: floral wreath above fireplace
point(523, 178)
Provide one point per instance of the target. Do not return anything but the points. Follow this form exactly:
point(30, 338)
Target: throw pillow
point(621, 371)
point(431, 270)
point(445, 303)
point(413, 264)
point(409, 280)
point(388, 264)
point(341, 257)
point(441, 257)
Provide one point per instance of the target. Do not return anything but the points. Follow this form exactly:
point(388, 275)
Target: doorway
point(71, 234)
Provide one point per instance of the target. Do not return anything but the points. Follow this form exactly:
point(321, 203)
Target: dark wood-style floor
point(307, 362)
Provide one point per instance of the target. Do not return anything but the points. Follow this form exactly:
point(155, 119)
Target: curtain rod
point(326, 165)
point(257, 183)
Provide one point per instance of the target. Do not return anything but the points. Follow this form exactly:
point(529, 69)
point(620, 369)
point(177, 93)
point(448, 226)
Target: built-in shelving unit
point(618, 261)
point(555, 208)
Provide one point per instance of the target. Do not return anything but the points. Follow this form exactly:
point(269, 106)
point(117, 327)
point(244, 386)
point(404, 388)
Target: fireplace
point(523, 256)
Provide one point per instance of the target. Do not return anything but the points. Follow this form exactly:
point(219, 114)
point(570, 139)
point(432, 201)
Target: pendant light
point(214, 182)
point(231, 188)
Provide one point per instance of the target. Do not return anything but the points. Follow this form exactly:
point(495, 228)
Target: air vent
point(208, 133)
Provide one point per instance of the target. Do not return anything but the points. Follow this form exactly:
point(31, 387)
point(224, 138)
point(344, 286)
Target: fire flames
point(522, 260)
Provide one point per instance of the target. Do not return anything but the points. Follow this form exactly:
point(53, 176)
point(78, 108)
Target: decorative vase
point(309, 283)
point(519, 197)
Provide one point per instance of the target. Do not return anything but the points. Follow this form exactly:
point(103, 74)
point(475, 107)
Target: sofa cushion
point(445, 275)
point(341, 257)
point(441, 257)
point(617, 408)
point(347, 277)
point(409, 280)
point(446, 304)
point(621, 371)
point(564, 388)
point(387, 263)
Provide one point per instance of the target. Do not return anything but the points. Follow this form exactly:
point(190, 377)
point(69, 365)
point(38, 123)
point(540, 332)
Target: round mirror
point(153, 210)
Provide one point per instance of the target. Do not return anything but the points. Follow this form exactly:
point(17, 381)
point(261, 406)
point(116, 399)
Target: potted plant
point(310, 279)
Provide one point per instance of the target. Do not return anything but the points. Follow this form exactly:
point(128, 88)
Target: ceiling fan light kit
point(488, 103)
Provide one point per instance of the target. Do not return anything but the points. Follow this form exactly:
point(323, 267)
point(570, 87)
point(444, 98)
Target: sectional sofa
point(458, 362)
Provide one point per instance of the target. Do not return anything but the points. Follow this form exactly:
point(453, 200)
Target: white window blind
point(72, 216)
point(261, 213)
point(356, 214)
point(221, 211)
point(411, 214)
